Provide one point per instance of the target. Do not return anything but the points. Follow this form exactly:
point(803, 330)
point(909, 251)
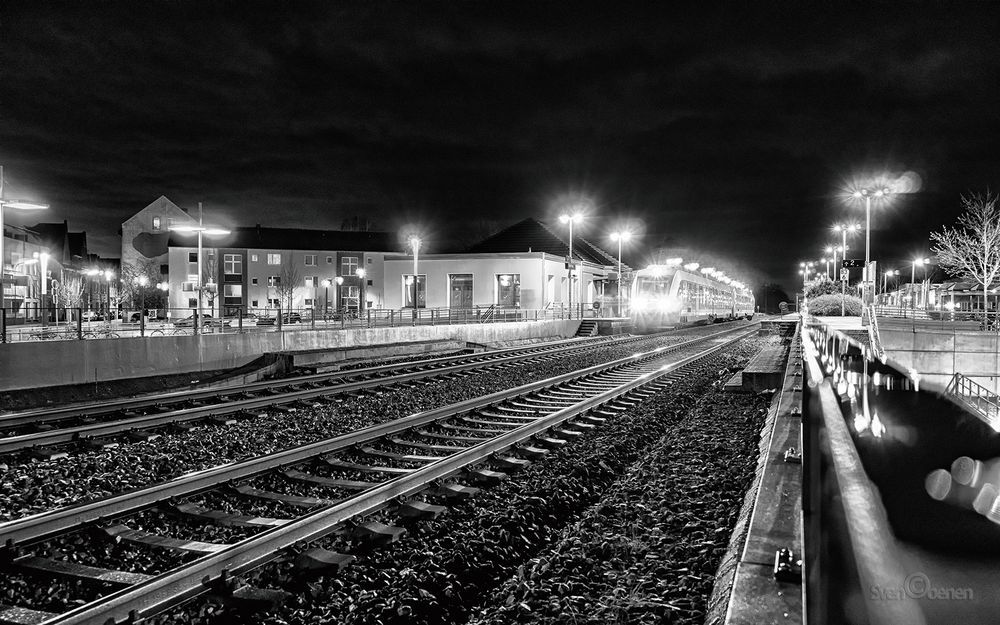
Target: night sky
point(723, 127)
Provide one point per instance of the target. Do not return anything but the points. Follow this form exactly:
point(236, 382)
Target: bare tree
point(288, 281)
point(972, 250)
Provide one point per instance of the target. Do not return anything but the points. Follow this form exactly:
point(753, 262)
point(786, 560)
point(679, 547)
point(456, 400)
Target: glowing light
point(878, 429)
point(938, 484)
point(861, 423)
point(691, 266)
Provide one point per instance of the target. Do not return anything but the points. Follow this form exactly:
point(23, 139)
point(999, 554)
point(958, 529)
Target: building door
point(460, 290)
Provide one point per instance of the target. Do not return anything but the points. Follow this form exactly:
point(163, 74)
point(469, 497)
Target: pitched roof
point(533, 235)
point(258, 237)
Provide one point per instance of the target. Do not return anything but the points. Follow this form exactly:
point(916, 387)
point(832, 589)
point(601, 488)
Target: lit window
point(253, 258)
point(274, 281)
point(232, 290)
point(509, 289)
point(312, 282)
point(274, 259)
point(187, 286)
point(156, 223)
point(233, 264)
point(348, 265)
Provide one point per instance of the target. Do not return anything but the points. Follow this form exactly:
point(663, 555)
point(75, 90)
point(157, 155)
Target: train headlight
point(640, 305)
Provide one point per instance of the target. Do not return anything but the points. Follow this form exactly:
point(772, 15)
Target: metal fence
point(77, 324)
point(944, 319)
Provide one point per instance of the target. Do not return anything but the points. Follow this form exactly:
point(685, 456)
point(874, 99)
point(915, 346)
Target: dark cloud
point(725, 126)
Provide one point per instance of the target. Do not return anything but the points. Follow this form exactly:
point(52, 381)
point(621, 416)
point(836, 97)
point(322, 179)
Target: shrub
point(829, 305)
point(821, 286)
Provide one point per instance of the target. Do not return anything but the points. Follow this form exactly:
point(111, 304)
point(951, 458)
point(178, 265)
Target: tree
point(288, 281)
point(971, 251)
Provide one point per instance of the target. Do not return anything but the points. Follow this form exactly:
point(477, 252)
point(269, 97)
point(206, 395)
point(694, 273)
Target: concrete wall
point(56, 363)
point(938, 353)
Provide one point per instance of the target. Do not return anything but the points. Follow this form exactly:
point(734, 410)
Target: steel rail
point(46, 524)
point(119, 426)
point(168, 589)
point(443, 364)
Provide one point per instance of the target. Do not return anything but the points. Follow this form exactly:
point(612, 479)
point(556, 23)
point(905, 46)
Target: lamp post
point(326, 297)
point(878, 193)
point(339, 280)
point(843, 229)
point(415, 244)
point(108, 274)
point(360, 273)
point(200, 229)
point(620, 237)
point(827, 261)
point(922, 262)
point(19, 204)
point(570, 219)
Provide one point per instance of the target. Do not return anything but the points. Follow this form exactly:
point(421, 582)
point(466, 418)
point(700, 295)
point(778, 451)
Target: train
point(672, 294)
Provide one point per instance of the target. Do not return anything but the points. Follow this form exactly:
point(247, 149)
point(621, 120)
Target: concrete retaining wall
point(938, 353)
point(56, 363)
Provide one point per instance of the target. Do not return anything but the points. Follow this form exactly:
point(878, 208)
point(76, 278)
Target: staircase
point(977, 398)
point(588, 327)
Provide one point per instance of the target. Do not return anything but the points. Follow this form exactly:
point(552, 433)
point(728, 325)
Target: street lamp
point(108, 274)
point(339, 280)
point(878, 193)
point(360, 273)
point(620, 237)
point(843, 229)
point(326, 296)
point(922, 262)
point(827, 261)
point(415, 244)
point(201, 230)
point(19, 204)
point(570, 219)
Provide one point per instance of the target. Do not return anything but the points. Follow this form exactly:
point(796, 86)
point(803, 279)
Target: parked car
point(206, 320)
point(92, 315)
point(292, 317)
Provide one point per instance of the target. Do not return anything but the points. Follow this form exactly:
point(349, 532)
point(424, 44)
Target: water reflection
point(936, 466)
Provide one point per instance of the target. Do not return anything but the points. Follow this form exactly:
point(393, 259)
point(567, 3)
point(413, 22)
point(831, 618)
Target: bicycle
point(105, 332)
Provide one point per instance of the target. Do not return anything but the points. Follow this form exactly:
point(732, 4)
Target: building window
point(254, 303)
point(232, 290)
point(312, 282)
point(348, 265)
point(509, 289)
point(156, 223)
point(307, 302)
point(274, 281)
point(232, 263)
point(187, 286)
point(192, 257)
point(408, 290)
point(192, 302)
point(273, 303)
point(274, 259)
point(329, 260)
point(460, 290)
point(310, 260)
point(253, 280)
point(350, 296)
point(253, 258)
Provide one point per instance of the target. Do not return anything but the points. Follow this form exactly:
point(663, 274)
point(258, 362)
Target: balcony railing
point(977, 398)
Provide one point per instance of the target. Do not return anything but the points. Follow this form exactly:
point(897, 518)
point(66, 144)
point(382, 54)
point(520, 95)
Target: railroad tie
point(220, 517)
point(487, 477)
point(319, 559)
point(253, 599)
point(294, 500)
point(62, 568)
point(455, 491)
point(378, 534)
point(14, 615)
point(127, 534)
point(510, 464)
point(420, 510)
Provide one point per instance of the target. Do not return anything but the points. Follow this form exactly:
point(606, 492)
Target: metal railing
point(78, 324)
point(960, 319)
point(874, 338)
point(976, 397)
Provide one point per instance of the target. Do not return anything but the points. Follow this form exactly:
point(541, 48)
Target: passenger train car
point(664, 296)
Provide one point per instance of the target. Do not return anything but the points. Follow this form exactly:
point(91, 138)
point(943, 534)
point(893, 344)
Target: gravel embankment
point(443, 568)
point(648, 551)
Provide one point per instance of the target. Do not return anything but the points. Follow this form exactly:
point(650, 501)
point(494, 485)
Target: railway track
point(396, 468)
point(98, 424)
